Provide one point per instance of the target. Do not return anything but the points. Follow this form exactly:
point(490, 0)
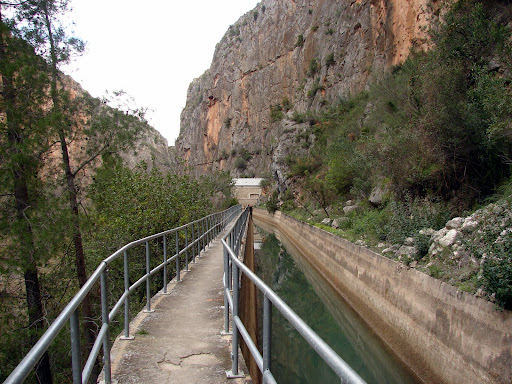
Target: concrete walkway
point(181, 342)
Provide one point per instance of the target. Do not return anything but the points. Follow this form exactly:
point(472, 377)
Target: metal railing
point(189, 240)
point(232, 267)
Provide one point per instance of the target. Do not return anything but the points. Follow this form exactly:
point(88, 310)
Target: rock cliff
point(282, 59)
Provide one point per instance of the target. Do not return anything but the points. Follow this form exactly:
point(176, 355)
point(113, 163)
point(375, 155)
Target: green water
point(329, 316)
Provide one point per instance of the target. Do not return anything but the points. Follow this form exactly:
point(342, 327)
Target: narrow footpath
point(181, 342)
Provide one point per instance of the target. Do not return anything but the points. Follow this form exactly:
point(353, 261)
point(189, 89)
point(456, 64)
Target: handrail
point(197, 236)
point(232, 266)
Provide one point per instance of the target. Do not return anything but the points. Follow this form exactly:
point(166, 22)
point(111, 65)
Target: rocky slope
point(288, 55)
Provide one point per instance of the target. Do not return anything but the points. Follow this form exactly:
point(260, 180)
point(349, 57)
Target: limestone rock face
point(152, 148)
point(298, 54)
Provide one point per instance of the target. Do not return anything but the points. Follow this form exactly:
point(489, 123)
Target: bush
point(286, 104)
point(241, 164)
point(300, 41)
point(245, 154)
point(272, 203)
point(266, 182)
point(329, 60)
point(224, 155)
point(498, 275)
point(313, 67)
point(412, 215)
point(276, 113)
point(492, 243)
point(315, 88)
point(299, 117)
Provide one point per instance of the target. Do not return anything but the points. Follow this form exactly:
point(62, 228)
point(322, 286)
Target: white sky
point(151, 49)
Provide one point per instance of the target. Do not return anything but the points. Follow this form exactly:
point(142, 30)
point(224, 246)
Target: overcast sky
point(151, 49)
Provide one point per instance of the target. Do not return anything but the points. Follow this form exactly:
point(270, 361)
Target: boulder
point(390, 250)
point(449, 238)
point(470, 224)
point(406, 250)
point(376, 196)
point(326, 221)
point(349, 209)
point(455, 223)
point(409, 241)
point(339, 222)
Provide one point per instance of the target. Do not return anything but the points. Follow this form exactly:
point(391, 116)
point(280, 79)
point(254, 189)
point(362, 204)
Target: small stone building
point(248, 191)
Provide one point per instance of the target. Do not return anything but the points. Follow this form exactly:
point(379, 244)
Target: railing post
point(104, 316)
point(148, 287)
point(76, 362)
point(230, 243)
point(226, 285)
point(267, 333)
point(165, 264)
point(192, 245)
point(186, 248)
point(234, 351)
point(209, 230)
point(178, 279)
point(198, 239)
point(127, 299)
point(202, 235)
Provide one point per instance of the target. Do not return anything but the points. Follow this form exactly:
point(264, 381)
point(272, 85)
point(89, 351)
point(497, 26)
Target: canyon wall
point(300, 55)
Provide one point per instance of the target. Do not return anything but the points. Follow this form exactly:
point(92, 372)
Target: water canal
point(320, 306)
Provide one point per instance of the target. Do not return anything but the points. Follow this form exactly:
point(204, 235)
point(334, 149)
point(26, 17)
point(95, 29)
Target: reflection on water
point(316, 302)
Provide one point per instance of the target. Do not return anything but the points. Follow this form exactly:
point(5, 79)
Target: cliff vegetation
point(429, 141)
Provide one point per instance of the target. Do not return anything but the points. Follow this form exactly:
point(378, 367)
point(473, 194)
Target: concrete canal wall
point(442, 334)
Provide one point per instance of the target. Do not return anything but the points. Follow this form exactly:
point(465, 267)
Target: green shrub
point(266, 182)
point(276, 113)
point(412, 215)
point(286, 104)
point(299, 117)
point(435, 271)
point(370, 224)
point(300, 41)
point(245, 154)
point(313, 67)
point(498, 275)
point(329, 60)
point(315, 88)
point(272, 203)
point(241, 164)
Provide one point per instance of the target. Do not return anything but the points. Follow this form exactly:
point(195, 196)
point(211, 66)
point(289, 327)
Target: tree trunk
point(89, 325)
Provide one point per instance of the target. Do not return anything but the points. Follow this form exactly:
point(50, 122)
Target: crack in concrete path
point(198, 358)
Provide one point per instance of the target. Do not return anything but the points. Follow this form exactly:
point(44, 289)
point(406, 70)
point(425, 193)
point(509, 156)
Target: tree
point(23, 96)
point(40, 25)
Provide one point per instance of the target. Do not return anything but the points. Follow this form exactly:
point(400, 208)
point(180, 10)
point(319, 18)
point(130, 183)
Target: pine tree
point(104, 132)
point(21, 106)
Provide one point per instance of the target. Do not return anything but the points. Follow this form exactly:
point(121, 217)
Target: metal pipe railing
point(208, 227)
point(231, 242)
